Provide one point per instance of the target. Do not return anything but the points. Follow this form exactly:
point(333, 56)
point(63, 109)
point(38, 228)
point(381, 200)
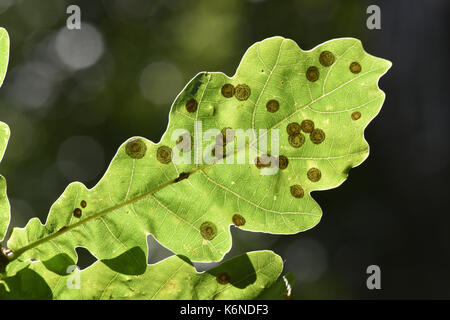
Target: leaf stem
point(15, 254)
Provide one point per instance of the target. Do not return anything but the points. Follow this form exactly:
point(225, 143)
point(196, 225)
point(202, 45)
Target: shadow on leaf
point(239, 272)
point(131, 262)
point(59, 264)
point(26, 284)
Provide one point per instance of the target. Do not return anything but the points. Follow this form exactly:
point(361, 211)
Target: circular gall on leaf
point(208, 230)
point(242, 92)
point(227, 90)
point(312, 74)
point(238, 220)
point(314, 174)
point(136, 148)
point(164, 154)
point(326, 58)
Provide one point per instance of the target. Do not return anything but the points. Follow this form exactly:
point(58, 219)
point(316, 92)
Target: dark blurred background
point(72, 97)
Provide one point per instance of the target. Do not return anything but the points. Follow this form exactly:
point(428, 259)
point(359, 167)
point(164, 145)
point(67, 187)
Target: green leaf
point(189, 207)
point(4, 54)
point(5, 215)
point(243, 277)
point(4, 136)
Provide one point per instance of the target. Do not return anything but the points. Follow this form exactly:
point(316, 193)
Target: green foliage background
point(86, 114)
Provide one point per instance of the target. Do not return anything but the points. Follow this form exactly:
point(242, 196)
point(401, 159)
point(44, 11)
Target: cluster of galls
point(78, 212)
